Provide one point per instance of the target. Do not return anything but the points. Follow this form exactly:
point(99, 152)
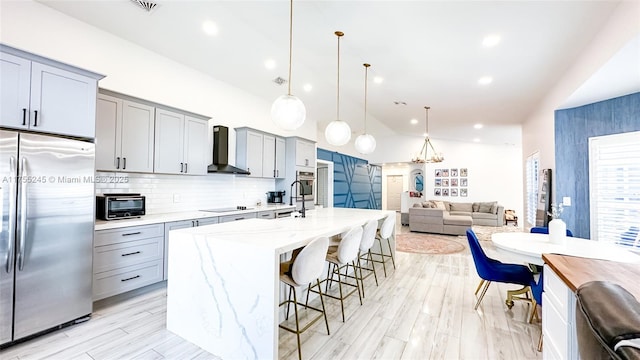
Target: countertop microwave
point(119, 206)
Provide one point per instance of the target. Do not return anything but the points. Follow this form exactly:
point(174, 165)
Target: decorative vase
point(557, 231)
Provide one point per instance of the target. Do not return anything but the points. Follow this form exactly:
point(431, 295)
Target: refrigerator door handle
point(12, 215)
point(23, 212)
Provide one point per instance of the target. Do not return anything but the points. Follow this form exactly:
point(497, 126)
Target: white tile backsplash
point(170, 193)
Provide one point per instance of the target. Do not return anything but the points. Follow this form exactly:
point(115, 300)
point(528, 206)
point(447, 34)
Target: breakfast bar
point(223, 287)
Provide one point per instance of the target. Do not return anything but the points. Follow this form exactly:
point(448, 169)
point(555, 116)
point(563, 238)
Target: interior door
point(394, 192)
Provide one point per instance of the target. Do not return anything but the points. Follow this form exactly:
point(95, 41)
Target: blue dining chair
point(536, 291)
point(545, 230)
point(493, 270)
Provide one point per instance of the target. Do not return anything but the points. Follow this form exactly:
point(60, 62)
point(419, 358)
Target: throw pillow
point(418, 205)
point(486, 207)
point(428, 204)
point(494, 208)
point(466, 207)
point(476, 207)
point(439, 205)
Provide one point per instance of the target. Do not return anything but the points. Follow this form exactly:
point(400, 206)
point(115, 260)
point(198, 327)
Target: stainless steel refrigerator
point(46, 243)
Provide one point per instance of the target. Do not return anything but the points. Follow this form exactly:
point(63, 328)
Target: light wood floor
point(422, 310)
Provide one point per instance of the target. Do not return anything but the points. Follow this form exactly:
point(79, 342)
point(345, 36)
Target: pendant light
point(423, 156)
point(338, 132)
point(288, 111)
point(365, 143)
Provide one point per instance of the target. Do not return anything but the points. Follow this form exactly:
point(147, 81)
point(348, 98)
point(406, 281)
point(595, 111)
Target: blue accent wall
point(356, 184)
point(573, 128)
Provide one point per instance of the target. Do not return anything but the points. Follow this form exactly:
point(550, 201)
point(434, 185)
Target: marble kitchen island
point(223, 283)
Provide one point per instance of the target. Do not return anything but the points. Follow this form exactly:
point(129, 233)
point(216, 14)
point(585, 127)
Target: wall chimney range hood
point(221, 153)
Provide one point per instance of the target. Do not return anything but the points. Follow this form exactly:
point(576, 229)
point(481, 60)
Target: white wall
point(538, 128)
point(494, 171)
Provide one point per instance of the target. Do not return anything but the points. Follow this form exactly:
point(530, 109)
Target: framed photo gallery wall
point(451, 182)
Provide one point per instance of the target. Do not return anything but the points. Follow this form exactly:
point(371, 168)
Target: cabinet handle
point(193, 223)
point(185, 167)
point(131, 278)
point(240, 218)
point(274, 173)
point(181, 167)
point(197, 222)
point(133, 233)
point(124, 163)
point(118, 162)
point(277, 173)
point(35, 119)
point(24, 116)
point(133, 253)
point(306, 162)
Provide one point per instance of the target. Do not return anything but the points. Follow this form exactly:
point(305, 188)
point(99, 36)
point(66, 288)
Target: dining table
point(528, 248)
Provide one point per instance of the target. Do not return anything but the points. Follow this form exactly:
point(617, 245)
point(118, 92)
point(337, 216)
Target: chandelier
point(426, 156)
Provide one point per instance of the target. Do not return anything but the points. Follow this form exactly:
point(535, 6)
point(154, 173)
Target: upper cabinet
point(139, 136)
point(305, 151)
point(262, 154)
point(43, 95)
point(180, 144)
point(125, 132)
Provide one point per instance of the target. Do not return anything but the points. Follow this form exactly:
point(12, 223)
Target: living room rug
point(427, 244)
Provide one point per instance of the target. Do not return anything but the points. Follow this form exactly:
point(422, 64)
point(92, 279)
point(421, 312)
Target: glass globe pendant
point(338, 132)
point(288, 111)
point(365, 143)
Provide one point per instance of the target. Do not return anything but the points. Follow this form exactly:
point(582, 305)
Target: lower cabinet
point(127, 258)
point(269, 214)
point(183, 224)
point(228, 218)
point(558, 318)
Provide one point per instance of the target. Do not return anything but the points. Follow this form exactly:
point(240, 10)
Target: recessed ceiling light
point(307, 87)
point(414, 121)
point(478, 126)
point(210, 28)
point(485, 80)
point(476, 140)
point(491, 40)
point(378, 80)
point(270, 64)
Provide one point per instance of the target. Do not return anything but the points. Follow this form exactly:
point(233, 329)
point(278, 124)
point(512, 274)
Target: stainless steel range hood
point(221, 153)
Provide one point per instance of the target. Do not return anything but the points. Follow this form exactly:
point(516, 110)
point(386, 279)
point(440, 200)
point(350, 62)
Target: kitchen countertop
point(178, 216)
point(575, 271)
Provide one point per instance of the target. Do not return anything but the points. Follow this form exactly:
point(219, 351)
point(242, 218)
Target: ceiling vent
point(279, 80)
point(145, 5)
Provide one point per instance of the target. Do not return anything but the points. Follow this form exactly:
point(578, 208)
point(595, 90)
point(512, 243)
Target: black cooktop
point(228, 209)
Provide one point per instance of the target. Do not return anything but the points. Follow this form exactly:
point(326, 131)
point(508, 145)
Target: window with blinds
point(533, 163)
point(614, 189)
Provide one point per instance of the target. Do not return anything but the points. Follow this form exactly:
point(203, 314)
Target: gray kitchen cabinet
point(305, 152)
point(43, 95)
point(180, 143)
point(261, 153)
point(125, 135)
point(237, 217)
point(127, 258)
point(268, 214)
point(183, 224)
point(280, 157)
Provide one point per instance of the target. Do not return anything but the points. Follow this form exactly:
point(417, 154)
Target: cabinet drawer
point(117, 281)
point(229, 218)
point(109, 257)
point(116, 236)
point(557, 292)
point(555, 330)
point(266, 215)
